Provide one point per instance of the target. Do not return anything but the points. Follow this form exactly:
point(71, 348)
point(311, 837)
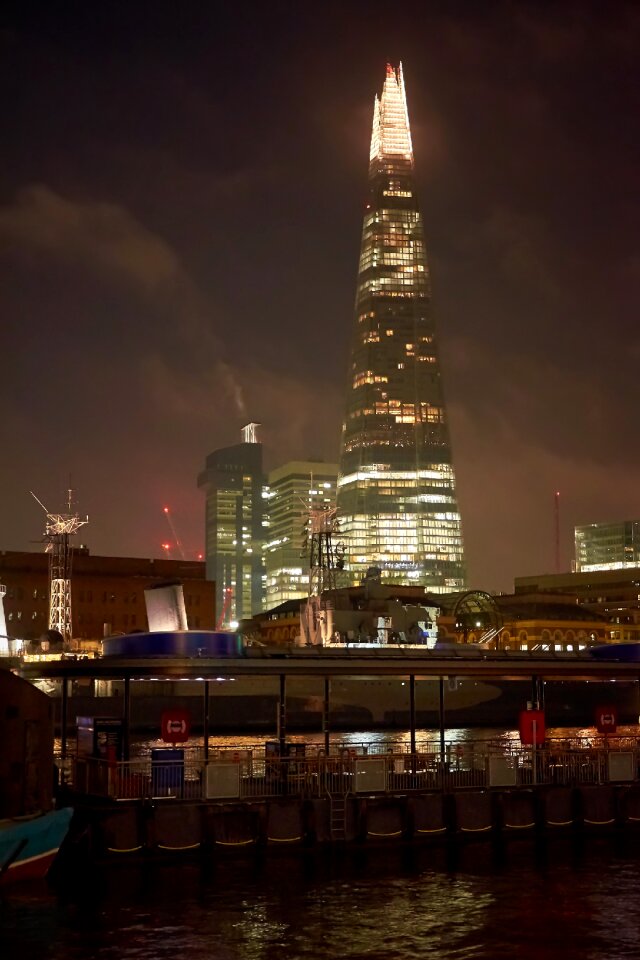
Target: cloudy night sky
point(181, 195)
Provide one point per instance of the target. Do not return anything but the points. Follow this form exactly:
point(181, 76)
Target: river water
point(381, 741)
point(564, 899)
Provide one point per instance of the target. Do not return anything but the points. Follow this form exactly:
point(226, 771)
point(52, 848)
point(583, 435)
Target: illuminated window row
point(368, 376)
point(384, 472)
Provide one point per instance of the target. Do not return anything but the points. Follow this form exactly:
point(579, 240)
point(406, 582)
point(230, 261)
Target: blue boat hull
point(28, 847)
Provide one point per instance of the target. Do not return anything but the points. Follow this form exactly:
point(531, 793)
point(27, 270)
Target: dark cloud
point(180, 211)
point(89, 235)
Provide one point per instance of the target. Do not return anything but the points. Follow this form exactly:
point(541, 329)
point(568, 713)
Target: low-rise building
point(613, 594)
point(107, 593)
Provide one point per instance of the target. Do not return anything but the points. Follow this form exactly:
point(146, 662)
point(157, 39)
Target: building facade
point(235, 523)
point(523, 621)
point(614, 594)
point(607, 546)
point(294, 489)
point(107, 593)
point(396, 490)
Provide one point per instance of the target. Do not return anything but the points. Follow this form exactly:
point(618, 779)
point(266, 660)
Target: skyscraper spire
point(391, 135)
point(396, 490)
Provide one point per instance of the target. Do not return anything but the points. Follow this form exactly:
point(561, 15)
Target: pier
point(312, 795)
point(241, 799)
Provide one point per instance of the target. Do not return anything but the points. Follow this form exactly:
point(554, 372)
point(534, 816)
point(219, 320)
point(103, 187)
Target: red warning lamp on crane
point(176, 538)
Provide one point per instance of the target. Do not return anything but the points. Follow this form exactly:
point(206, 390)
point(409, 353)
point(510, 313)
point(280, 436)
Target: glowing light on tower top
point(391, 136)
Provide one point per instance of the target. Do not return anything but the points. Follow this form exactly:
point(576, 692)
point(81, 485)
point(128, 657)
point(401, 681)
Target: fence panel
point(469, 766)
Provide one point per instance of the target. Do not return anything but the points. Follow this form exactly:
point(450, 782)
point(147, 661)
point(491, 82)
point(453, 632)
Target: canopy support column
point(412, 713)
point(126, 718)
point(282, 714)
point(205, 724)
point(325, 714)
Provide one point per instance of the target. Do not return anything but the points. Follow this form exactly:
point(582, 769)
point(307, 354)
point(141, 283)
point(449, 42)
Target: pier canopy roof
point(290, 661)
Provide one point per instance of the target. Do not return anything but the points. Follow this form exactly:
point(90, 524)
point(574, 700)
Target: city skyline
point(179, 223)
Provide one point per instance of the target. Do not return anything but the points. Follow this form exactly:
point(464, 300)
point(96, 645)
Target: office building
point(396, 490)
point(295, 488)
point(233, 482)
point(607, 546)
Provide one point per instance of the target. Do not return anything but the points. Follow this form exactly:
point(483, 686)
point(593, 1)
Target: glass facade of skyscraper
point(294, 489)
point(235, 524)
point(396, 490)
point(607, 546)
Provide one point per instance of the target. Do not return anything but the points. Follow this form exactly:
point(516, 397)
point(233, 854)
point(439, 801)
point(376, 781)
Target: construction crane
point(167, 514)
point(226, 605)
point(59, 528)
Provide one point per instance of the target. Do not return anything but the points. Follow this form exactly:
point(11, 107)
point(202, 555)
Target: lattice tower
point(59, 528)
point(326, 558)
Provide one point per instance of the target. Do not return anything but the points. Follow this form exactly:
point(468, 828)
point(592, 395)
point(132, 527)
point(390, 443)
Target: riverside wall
point(169, 828)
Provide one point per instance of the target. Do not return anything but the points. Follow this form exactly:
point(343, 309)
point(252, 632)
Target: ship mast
point(326, 557)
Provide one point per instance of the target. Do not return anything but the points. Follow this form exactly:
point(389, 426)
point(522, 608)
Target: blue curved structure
point(625, 652)
point(174, 643)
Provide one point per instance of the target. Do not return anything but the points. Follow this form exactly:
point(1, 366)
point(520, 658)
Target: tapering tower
point(396, 490)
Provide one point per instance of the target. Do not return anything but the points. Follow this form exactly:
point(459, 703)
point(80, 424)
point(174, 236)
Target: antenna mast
point(325, 559)
point(59, 527)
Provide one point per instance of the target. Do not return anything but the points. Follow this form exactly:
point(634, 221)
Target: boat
point(32, 828)
point(29, 845)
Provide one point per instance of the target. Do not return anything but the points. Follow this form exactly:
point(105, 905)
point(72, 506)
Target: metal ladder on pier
point(338, 815)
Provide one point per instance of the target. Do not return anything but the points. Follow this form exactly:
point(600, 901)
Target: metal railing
point(247, 777)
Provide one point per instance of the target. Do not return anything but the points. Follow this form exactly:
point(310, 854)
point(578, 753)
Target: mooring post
point(441, 718)
point(205, 725)
point(282, 715)
point(325, 714)
point(126, 717)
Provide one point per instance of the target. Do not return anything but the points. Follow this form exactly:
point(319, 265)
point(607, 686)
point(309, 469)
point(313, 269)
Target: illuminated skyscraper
point(295, 488)
point(396, 491)
point(233, 481)
point(607, 546)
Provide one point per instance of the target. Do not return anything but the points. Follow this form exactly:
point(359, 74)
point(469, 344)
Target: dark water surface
point(563, 898)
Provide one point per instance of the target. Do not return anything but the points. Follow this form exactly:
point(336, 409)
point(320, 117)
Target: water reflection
point(374, 741)
point(562, 900)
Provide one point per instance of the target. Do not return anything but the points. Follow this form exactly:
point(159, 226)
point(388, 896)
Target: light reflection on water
point(563, 900)
point(373, 741)
point(383, 739)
